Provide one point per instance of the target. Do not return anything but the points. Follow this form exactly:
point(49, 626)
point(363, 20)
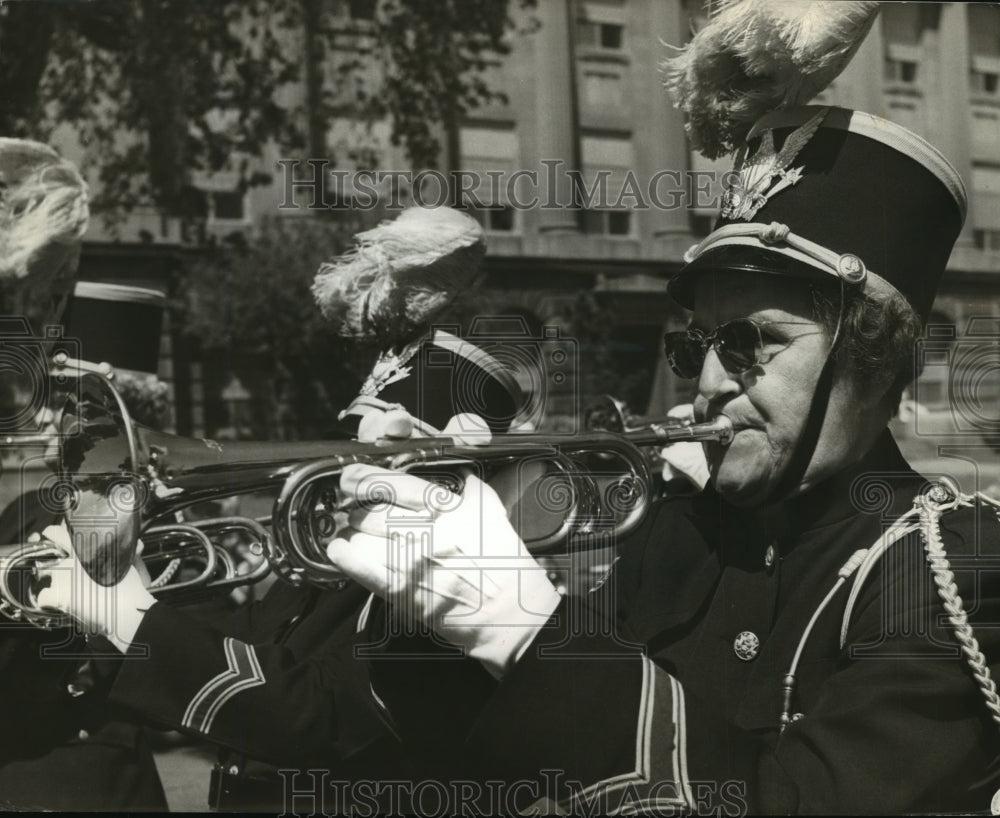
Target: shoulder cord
point(944, 579)
point(788, 682)
point(928, 507)
point(864, 558)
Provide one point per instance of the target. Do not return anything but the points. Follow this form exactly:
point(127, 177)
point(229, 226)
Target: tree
point(434, 54)
point(247, 302)
point(158, 89)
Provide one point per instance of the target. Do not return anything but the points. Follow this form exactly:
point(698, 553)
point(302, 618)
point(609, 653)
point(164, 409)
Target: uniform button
point(83, 735)
point(769, 557)
point(745, 645)
point(74, 691)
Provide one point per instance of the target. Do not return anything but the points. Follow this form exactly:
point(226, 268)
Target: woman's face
point(769, 403)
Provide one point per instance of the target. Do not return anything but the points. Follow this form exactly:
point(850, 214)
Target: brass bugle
point(147, 477)
point(610, 414)
point(719, 429)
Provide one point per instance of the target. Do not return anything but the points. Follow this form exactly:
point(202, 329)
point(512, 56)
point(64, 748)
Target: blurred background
point(191, 119)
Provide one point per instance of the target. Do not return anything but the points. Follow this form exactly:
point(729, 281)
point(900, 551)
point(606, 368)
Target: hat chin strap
point(805, 446)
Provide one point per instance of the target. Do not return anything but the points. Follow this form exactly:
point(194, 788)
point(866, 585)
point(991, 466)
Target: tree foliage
point(248, 303)
point(158, 89)
point(435, 56)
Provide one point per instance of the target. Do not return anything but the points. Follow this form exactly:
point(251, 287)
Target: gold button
point(746, 645)
point(769, 557)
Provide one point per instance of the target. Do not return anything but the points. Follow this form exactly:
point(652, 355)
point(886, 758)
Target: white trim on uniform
point(243, 673)
point(653, 678)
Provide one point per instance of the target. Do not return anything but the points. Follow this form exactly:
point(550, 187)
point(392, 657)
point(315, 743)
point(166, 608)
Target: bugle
point(119, 481)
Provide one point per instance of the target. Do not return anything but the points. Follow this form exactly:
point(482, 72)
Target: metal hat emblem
point(766, 172)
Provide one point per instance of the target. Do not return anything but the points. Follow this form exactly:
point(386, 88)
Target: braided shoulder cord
point(931, 505)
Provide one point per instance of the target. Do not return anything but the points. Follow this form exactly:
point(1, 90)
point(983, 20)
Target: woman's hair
point(878, 336)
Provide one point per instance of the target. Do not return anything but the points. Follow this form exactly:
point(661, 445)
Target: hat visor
point(738, 257)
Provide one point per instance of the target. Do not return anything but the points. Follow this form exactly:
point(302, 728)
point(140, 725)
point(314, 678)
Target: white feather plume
point(43, 202)
point(756, 55)
point(400, 274)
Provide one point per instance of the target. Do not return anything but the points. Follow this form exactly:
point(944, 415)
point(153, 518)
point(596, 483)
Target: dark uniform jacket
point(64, 747)
point(674, 704)
point(277, 682)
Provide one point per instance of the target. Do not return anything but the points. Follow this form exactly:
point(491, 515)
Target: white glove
point(114, 611)
point(379, 424)
point(397, 424)
point(452, 562)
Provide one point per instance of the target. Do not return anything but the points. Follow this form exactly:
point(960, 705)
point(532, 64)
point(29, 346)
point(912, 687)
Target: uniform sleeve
point(258, 699)
point(898, 725)
point(603, 723)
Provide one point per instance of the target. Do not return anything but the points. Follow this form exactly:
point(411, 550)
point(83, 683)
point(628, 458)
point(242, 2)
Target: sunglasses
point(738, 343)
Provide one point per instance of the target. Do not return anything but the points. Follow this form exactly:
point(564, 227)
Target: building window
point(607, 222)
point(497, 218)
point(987, 240)
point(983, 82)
point(602, 89)
point(601, 25)
point(489, 158)
point(600, 35)
point(984, 75)
point(900, 71)
point(611, 35)
point(607, 162)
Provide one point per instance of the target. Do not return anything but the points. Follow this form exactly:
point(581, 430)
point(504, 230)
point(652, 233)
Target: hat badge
point(767, 172)
point(390, 367)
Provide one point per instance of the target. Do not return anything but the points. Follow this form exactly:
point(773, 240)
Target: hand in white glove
point(396, 423)
point(451, 562)
point(114, 611)
point(387, 424)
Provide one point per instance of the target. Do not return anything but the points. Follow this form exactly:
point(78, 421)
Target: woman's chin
point(741, 484)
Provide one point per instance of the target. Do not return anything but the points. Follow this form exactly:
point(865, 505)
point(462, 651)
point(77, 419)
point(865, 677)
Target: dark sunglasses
point(738, 343)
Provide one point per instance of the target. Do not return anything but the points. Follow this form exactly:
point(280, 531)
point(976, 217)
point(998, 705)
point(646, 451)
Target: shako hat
point(389, 289)
point(822, 191)
point(815, 191)
point(117, 323)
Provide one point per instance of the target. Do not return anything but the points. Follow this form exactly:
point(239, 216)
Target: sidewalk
point(184, 770)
